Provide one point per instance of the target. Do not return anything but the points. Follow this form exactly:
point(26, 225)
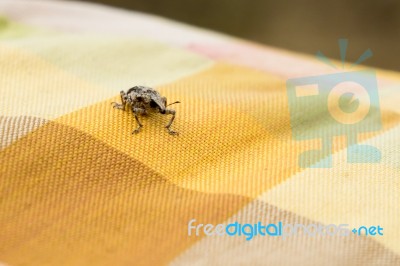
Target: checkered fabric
point(77, 188)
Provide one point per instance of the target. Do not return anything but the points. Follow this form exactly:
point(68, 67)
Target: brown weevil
point(141, 99)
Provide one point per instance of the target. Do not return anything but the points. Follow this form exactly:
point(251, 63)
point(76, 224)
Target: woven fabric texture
point(77, 188)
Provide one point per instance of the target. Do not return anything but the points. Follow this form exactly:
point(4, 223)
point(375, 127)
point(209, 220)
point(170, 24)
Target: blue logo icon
point(339, 104)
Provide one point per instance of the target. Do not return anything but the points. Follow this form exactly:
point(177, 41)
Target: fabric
point(77, 188)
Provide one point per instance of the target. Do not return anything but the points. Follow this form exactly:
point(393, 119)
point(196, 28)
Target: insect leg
point(122, 105)
point(164, 100)
point(138, 111)
point(170, 112)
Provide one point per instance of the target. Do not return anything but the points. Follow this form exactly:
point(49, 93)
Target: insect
point(141, 99)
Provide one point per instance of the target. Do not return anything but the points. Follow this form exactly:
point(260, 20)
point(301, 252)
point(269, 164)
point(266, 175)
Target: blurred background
point(304, 26)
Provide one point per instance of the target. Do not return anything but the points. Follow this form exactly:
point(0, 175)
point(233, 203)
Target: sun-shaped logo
point(344, 103)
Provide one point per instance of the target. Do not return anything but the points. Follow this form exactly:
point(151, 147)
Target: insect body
point(141, 99)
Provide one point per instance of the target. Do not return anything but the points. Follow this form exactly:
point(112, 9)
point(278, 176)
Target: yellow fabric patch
point(42, 86)
point(234, 132)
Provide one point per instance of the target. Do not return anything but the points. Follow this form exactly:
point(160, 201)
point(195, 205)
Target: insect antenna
point(173, 103)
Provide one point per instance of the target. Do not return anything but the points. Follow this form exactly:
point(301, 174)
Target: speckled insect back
point(141, 99)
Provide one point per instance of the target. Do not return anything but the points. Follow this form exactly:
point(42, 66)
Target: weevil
point(142, 99)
